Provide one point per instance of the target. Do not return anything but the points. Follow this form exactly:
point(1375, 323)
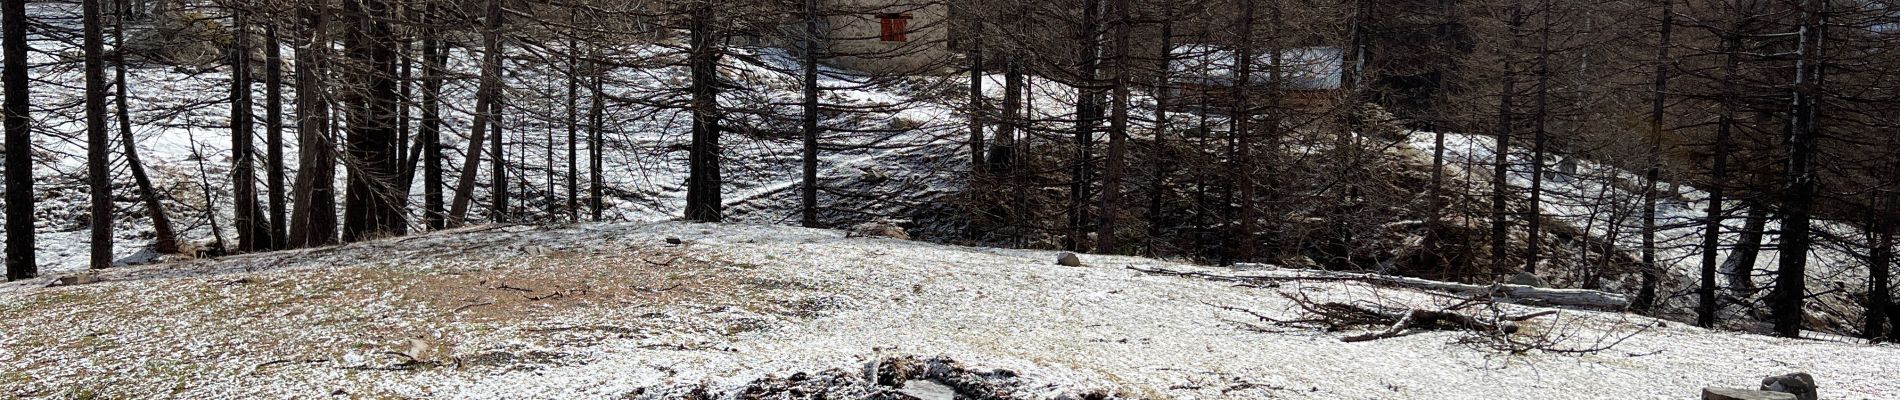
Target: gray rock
point(672, 240)
point(1799, 384)
point(1528, 279)
point(927, 390)
point(1068, 259)
point(1743, 394)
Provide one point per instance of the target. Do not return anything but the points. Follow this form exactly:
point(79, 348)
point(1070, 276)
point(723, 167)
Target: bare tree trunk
point(978, 106)
point(1240, 145)
point(1646, 296)
point(1163, 156)
point(434, 56)
point(1435, 220)
point(1718, 176)
point(21, 261)
point(498, 166)
point(253, 227)
point(313, 220)
point(573, 126)
point(164, 240)
point(98, 142)
point(808, 192)
point(1105, 242)
point(1533, 246)
point(1798, 199)
point(485, 96)
point(274, 134)
point(1199, 218)
point(1002, 155)
point(1879, 272)
point(1085, 113)
point(373, 203)
point(1274, 112)
point(595, 146)
point(1880, 304)
point(703, 202)
point(1740, 264)
point(1501, 179)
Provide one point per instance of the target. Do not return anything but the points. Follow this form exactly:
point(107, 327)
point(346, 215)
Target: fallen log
point(1500, 292)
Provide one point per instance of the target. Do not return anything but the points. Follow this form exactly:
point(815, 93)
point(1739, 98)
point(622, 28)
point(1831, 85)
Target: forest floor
point(619, 311)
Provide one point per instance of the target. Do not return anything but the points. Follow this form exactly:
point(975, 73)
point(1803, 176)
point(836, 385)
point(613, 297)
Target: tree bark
point(1240, 144)
point(485, 95)
point(1162, 154)
point(808, 191)
point(1646, 296)
point(1501, 179)
point(703, 202)
point(1740, 264)
point(21, 261)
point(596, 112)
point(1002, 155)
point(165, 240)
point(1879, 275)
point(253, 227)
point(98, 142)
point(1540, 139)
point(373, 202)
point(573, 126)
point(1718, 176)
point(274, 135)
point(1798, 198)
point(1105, 242)
point(1085, 113)
point(978, 104)
point(313, 220)
point(434, 57)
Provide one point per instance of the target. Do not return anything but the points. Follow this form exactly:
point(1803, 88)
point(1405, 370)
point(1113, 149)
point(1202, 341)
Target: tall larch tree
point(98, 141)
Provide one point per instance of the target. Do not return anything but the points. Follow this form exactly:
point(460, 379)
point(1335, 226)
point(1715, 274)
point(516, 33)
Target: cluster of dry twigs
point(1486, 323)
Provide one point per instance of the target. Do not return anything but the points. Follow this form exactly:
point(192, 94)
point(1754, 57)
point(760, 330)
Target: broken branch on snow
point(1507, 293)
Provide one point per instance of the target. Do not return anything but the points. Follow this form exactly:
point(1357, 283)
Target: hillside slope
point(616, 311)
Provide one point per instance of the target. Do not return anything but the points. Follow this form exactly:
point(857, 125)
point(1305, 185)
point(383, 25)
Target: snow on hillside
point(614, 310)
point(1585, 200)
point(895, 159)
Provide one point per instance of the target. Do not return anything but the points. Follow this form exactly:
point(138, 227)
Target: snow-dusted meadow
point(608, 310)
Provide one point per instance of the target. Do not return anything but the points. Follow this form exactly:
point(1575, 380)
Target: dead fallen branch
point(653, 290)
point(260, 367)
point(1506, 293)
point(556, 294)
point(471, 305)
point(1485, 324)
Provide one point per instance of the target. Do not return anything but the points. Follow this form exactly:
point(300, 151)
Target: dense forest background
point(1725, 162)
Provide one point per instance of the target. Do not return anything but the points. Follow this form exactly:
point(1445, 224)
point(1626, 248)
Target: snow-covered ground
point(605, 310)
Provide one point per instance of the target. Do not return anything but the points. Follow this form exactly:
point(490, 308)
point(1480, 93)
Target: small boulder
point(674, 240)
point(927, 390)
point(1743, 394)
point(1799, 384)
point(1068, 259)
